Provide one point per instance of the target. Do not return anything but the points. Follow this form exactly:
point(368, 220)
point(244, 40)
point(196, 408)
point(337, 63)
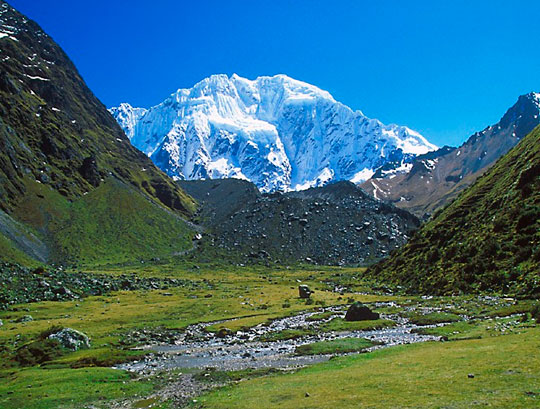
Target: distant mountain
point(72, 187)
point(436, 178)
point(487, 239)
point(279, 133)
point(334, 224)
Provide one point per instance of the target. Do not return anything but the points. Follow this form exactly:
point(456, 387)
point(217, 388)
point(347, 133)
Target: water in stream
point(196, 348)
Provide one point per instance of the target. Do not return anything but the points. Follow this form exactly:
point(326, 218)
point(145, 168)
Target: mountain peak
point(523, 115)
point(276, 131)
point(444, 173)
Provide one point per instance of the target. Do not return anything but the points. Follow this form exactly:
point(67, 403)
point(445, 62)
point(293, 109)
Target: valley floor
point(205, 314)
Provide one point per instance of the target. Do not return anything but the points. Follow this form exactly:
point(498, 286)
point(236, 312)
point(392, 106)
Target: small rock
point(470, 376)
point(223, 332)
point(25, 318)
point(307, 395)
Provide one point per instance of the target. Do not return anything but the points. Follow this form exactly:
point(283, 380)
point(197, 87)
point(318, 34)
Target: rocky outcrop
point(304, 291)
point(334, 224)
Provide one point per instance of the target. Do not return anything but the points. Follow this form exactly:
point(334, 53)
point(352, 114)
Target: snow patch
point(36, 77)
point(362, 176)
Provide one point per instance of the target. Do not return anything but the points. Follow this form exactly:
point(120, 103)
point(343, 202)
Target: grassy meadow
point(248, 296)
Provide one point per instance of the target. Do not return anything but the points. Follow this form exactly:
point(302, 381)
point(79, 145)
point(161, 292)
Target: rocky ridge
point(434, 179)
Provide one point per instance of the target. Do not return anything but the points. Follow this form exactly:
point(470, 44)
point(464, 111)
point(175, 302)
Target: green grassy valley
point(505, 374)
point(119, 322)
point(123, 288)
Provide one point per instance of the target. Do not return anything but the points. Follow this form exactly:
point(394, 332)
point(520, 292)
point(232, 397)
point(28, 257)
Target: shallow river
point(196, 348)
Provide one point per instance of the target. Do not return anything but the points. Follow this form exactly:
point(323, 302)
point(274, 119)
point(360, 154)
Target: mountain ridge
point(436, 178)
point(62, 154)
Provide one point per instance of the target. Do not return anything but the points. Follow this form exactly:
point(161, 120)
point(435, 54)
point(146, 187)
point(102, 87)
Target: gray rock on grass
point(71, 339)
point(304, 291)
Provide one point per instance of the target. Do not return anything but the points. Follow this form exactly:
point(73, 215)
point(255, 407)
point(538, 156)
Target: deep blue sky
point(443, 68)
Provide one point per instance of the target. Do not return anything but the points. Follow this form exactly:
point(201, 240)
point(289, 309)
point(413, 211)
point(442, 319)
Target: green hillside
point(487, 239)
point(10, 252)
point(113, 223)
point(59, 143)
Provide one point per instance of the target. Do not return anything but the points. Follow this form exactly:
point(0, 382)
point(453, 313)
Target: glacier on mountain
point(279, 133)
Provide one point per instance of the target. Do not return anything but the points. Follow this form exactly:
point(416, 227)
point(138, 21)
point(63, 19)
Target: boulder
point(71, 339)
point(25, 318)
point(359, 312)
point(223, 332)
point(304, 291)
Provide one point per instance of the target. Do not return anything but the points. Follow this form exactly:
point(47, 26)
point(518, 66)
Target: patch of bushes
point(38, 352)
point(535, 312)
point(41, 350)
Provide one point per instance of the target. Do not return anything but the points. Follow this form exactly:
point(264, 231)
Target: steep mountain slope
point(436, 178)
point(59, 143)
point(334, 224)
point(277, 132)
point(487, 239)
point(221, 198)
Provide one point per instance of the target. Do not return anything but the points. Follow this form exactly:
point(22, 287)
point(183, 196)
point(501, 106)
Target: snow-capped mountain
point(279, 133)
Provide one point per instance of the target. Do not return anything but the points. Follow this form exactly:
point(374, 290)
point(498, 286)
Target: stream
point(197, 348)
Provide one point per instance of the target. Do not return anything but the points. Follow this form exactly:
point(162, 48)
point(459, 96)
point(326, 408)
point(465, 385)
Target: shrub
point(38, 352)
point(535, 313)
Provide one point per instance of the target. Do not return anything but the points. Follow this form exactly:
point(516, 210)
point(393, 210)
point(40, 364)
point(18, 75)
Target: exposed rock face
point(436, 178)
point(89, 171)
point(359, 312)
point(71, 339)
